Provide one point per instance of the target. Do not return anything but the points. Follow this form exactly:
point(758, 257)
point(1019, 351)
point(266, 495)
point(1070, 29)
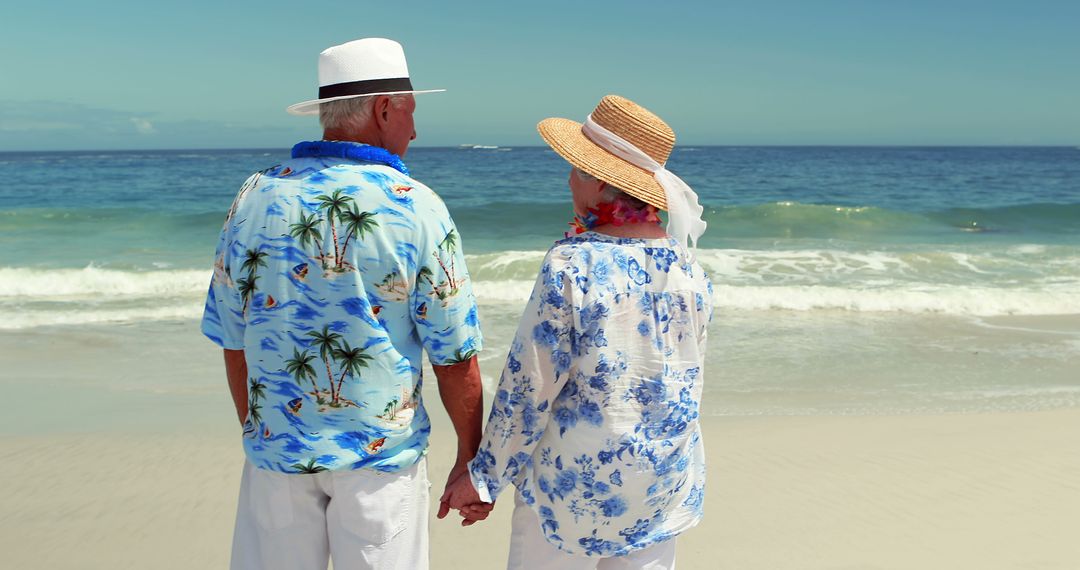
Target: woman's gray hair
point(611, 193)
point(352, 114)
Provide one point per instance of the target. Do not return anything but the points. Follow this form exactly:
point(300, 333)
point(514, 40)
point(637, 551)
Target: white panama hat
point(371, 66)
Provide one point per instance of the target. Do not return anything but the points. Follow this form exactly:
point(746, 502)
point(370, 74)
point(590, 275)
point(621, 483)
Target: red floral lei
point(615, 213)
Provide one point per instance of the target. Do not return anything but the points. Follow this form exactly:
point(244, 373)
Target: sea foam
point(93, 282)
point(66, 317)
point(1020, 280)
point(972, 301)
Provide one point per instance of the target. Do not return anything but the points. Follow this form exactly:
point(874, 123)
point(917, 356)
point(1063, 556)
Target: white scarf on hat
point(684, 211)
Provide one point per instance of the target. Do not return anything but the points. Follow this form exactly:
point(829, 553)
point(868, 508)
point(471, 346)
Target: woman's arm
point(536, 370)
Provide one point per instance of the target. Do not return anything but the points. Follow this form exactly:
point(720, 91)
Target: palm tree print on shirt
point(326, 341)
point(449, 285)
point(334, 204)
point(247, 288)
point(438, 289)
point(393, 286)
point(449, 246)
point(307, 230)
point(301, 369)
point(309, 467)
point(463, 356)
point(426, 274)
point(356, 224)
point(395, 407)
point(342, 213)
point(351, 360)
point(390, 411)
point(333, 350)
point(256, 392)
point(253, 260)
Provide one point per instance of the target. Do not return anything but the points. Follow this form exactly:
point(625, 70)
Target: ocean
point(848, 280)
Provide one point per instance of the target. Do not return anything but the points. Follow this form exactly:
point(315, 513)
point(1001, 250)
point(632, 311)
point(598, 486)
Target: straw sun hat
point(629, 121)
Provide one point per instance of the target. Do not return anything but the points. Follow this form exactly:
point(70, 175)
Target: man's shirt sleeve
point(223, 315)
point(443, 306)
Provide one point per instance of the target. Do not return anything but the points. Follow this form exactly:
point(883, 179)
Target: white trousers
point(529, 550)
point(362, 519)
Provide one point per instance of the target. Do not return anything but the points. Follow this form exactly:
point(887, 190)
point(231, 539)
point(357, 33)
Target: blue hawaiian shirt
point(335, 270)
point(595, 419)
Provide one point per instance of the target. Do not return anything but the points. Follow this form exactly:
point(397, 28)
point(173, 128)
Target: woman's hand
point(461, 495)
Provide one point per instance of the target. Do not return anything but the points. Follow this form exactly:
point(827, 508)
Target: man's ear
point(381, 108)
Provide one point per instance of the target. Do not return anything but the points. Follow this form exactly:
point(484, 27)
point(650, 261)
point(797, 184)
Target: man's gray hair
point(352, 114)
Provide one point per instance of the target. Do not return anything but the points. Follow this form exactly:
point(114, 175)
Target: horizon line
point(531, 146)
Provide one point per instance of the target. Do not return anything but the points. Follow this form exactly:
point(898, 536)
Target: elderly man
point(335, 270)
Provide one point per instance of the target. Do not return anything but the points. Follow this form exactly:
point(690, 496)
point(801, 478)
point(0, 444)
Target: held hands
point(461, 495)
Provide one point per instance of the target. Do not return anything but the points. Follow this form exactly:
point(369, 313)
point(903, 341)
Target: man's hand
point(461, 495)
point(460, 468)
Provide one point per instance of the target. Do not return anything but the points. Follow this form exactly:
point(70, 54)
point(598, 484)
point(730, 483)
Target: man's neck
point(346, 136)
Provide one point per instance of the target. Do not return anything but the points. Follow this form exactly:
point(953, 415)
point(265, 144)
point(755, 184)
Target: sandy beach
point(990, 491)
point(986, 491)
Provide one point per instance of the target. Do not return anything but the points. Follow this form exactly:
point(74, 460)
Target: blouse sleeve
point(536, 369)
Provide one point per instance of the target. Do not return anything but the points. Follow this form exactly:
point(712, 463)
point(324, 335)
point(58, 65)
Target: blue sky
point(134, 75)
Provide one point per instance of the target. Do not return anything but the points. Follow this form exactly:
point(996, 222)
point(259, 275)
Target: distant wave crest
point(96, 283)
point(796, 220)
point(1032, 279)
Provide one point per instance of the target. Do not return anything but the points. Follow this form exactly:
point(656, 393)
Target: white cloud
point(143, 126)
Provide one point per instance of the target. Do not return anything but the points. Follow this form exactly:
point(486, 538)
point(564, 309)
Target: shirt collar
point(351, 151)
point(597, 236)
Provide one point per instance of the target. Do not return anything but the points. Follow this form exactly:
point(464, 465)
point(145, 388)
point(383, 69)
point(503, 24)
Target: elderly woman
point(595, 420)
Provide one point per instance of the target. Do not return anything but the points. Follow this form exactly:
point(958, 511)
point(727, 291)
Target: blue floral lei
point(350, 150)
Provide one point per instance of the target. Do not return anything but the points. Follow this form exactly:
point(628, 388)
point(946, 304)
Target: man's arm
point(236, 371)
point(463, 397)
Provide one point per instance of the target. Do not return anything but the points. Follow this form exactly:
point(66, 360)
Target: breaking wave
point(1015, 280)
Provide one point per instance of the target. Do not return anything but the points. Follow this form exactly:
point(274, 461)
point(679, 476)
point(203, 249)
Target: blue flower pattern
point(595, 419)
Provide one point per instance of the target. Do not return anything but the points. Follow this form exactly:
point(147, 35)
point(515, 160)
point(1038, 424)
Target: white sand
point(992, 491)
point(137, 466)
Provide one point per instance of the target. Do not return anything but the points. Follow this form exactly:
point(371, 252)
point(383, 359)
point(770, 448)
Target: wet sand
point(119, 450)
point(987, 491)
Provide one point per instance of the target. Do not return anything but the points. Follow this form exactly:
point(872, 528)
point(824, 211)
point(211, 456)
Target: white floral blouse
point(595, 419)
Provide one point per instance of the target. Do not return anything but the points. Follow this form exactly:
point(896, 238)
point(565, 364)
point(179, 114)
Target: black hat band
point(365, 87)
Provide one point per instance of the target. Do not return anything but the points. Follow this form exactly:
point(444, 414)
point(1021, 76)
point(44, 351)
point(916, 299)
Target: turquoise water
point(846, 279)
point(981, 231)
